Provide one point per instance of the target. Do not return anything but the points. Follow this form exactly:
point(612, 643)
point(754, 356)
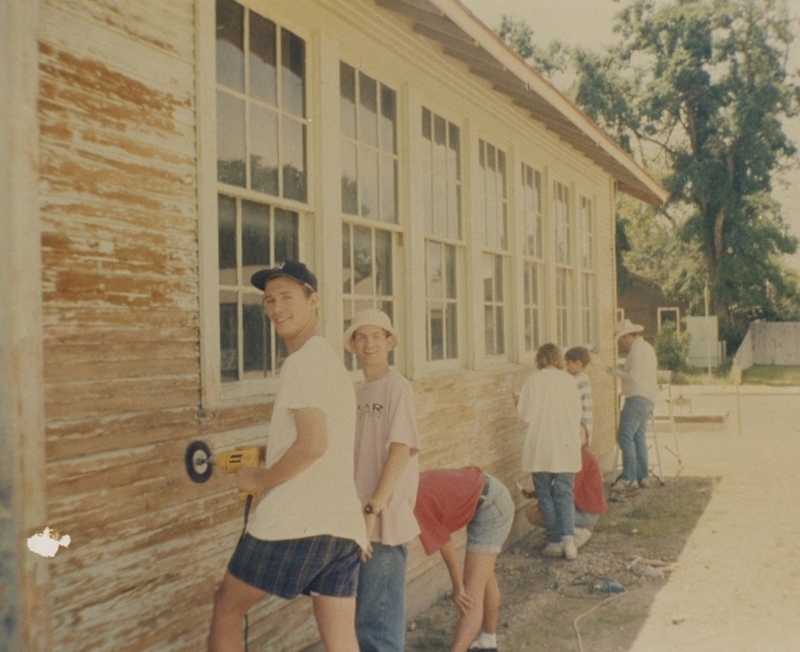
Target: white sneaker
point(621, 489)
point(582, 535)
point(644, 483)
point(570, 549)
point(553, 550)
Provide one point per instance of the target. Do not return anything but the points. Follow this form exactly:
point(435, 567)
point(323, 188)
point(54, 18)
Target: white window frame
point(443, 229)
point(562, 212)
point(533, 262)
point(493, 204)
point(215, 393)
point(587, 255)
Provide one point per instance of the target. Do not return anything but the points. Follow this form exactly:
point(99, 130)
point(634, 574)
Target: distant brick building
point(643, 302)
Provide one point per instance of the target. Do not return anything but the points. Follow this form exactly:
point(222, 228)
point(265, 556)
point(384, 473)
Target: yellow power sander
point(200, 462)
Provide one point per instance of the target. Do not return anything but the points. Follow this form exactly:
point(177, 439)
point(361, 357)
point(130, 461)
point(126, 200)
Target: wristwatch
point(369, 508)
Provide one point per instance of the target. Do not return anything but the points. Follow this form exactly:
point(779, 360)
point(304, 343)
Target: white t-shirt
point(551, 406)
point(386, 415)
point(639, 372)
point(321, 499)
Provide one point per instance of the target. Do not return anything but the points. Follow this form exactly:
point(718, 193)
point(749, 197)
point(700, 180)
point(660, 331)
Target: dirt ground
point(551, 604)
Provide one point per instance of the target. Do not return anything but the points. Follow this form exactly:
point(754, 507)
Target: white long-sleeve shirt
point(638, 374)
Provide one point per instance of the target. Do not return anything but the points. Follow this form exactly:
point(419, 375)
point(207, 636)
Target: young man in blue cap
point(307, 533)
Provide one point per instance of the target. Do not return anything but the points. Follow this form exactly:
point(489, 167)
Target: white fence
point(770, 343)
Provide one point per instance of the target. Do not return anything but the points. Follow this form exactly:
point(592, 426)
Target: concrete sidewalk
point(737, 585)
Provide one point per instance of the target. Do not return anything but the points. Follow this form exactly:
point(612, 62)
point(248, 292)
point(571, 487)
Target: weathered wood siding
point(120, 286)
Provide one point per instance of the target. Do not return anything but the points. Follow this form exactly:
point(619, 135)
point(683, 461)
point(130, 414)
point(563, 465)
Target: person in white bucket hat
point(387, 475)
point(640, 388)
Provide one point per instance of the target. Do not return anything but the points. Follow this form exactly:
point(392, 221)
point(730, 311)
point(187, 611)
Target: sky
point(589, 23)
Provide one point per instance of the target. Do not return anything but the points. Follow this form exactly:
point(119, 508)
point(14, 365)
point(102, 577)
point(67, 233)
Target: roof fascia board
point(533, 81)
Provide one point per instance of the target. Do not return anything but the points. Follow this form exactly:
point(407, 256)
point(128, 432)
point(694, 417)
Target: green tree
point(672, 348)
point(700, 88)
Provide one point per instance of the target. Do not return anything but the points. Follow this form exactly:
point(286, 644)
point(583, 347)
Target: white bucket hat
point(368, 317)
point(627, 326)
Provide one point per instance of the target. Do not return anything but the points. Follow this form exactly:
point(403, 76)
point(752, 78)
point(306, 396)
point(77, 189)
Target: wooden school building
point(152, 155)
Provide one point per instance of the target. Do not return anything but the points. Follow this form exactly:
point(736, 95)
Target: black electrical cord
point(248, 501)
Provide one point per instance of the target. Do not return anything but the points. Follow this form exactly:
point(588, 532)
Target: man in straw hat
point(387, 475)
point(640, 388)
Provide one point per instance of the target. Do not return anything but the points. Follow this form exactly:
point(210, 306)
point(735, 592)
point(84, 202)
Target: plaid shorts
point(325, 565)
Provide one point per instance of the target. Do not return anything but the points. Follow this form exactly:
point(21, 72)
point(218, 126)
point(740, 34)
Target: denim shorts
point(323, 565)
point(489, 528)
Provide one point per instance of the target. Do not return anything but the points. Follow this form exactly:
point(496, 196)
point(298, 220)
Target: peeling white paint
point(47, 543)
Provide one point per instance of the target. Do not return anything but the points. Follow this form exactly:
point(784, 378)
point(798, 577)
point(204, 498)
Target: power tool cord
point(248, 501)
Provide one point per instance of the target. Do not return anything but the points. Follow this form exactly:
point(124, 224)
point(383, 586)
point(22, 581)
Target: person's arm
point(453, 563)
point(310, 444)
point(396, 462)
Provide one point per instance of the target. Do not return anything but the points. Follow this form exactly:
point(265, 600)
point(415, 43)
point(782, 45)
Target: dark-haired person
point(307, 533)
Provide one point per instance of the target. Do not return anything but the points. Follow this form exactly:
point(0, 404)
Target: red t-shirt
point(446, 502)
point(588, 488)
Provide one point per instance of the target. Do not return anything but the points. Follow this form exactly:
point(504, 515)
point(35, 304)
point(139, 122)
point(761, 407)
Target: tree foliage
point(697, 90)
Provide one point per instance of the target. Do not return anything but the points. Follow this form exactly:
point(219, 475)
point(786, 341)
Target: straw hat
point(627, 326)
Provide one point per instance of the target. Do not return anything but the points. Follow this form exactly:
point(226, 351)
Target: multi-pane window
point(261, 104)
point(442, 304)
point(493, 304)
point(564, 262)
point(492, 162)
point(533, 261)
point(252, 236)
point(588, 281)
point(368, 127)
point(366, 273)
point(441, 192)
point(261, 173)
point(493, 190)
point(368, 111)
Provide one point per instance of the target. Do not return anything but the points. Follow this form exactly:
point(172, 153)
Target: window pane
point(368, 118)
point(436, 330)
point(228, 336)
point(450, 267)
point(488, 329)
point(294, 160)
point(263, 150)
point(435, 275)
point(454, 158)
point(488, 277)
point(255, 331)
point(349, 179)
point(362, 252)
point(368, 182)
point(293, 57)
point(499, 330)
point(347, 263)
point(498, 278)
point(263, 58)
point(389, 189)
point(226, 210)
point(451, 331)
point(287, 242)
point(230, 44)
point(388, 120)
point(347, 100)
point(255, 239)
point(383, 262)
point(230, 140)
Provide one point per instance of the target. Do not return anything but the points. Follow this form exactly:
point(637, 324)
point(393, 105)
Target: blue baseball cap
point(290, 269)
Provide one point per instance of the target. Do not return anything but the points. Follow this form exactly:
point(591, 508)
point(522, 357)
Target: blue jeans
point(556, 502)
point(381, 600)
point(631, 437)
